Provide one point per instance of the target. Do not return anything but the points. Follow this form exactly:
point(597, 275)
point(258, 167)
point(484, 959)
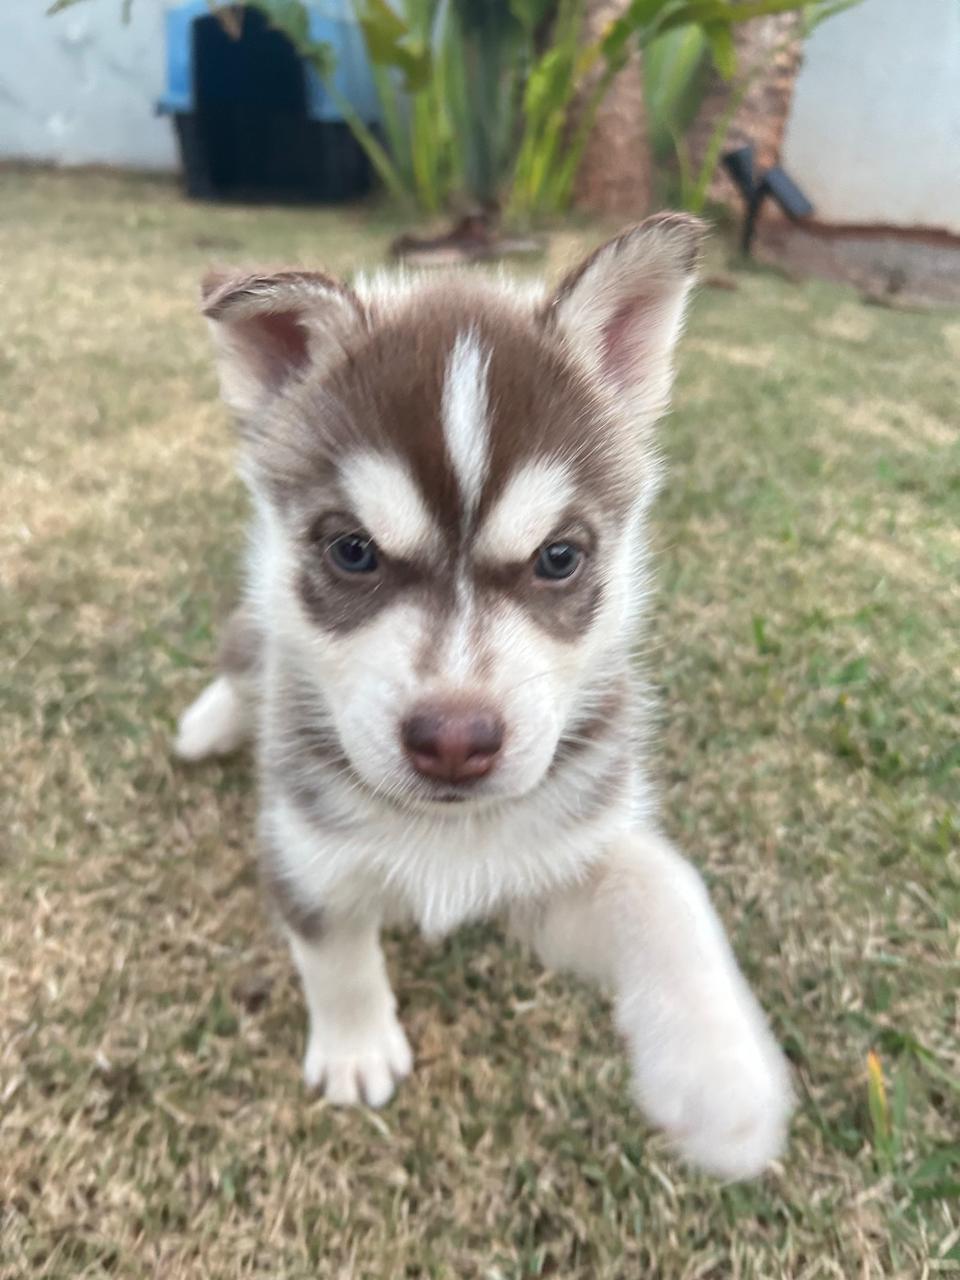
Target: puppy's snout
point(452, 744)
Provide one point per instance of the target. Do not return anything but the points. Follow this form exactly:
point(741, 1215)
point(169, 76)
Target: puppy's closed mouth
point(449, 797)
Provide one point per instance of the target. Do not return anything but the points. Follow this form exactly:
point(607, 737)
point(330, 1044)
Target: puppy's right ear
point(269, 329)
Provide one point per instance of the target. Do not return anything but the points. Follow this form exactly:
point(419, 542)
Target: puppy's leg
point(356, 1048)
point(705, 1066)
point(222, 719)
point(217, 723)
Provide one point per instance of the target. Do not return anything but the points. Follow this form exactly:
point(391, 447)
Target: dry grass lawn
point(806, 646)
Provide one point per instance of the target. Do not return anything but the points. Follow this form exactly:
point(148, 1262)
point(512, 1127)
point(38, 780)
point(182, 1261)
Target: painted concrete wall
point(874, 129)
point(79, 88)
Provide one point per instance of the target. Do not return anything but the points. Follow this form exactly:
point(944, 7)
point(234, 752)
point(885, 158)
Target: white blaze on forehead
point(385, 500)
point(460, 657)
point(465, 425)
point(527, 511)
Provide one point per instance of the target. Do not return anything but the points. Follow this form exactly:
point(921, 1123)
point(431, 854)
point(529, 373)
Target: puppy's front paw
point(359, 1063)
point(216, 724)
point(721, 1093)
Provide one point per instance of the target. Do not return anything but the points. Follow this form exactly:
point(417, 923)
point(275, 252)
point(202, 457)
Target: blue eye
point(558, 560)
point(352, 553)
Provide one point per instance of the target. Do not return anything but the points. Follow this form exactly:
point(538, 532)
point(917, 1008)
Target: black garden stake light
point(755, 188)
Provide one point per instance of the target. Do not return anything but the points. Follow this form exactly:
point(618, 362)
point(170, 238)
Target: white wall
point(79, 88)
point(874, 130)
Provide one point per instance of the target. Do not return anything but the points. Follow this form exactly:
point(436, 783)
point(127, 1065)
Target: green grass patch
point(805, 649)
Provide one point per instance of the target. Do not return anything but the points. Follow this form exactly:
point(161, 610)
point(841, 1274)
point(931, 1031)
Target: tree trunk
point(773, 46)
point(615, 176)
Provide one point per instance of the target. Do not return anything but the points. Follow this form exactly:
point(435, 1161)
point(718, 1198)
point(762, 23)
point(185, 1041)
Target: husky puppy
point(447, 568)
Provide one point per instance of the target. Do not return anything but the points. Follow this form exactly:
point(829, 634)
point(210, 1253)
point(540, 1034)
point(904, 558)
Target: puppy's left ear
point(621, 311)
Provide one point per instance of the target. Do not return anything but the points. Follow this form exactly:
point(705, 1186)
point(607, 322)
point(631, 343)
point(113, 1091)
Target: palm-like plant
point(487, 98)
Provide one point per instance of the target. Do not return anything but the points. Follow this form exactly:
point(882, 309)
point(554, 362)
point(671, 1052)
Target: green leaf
point(706, 12)
point(673, 81)
point(765, 645)
point(321, 57)
point(815, 14)
point(853, 672)
point(547, 83)
point(411, 57)
point(614, 42)
point(879, 1108)
point(722, 49)
point(380, 45)
point(290, 17)
point(530, 13)
point(945, 1159)
point(390, 42)
point(745, 10)
point(384, 20)
point(643, 12)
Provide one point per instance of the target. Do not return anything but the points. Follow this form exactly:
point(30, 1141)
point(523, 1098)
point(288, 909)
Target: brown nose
point(452, 744)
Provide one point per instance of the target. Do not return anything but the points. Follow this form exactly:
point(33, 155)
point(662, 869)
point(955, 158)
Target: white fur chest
point(441, 872)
